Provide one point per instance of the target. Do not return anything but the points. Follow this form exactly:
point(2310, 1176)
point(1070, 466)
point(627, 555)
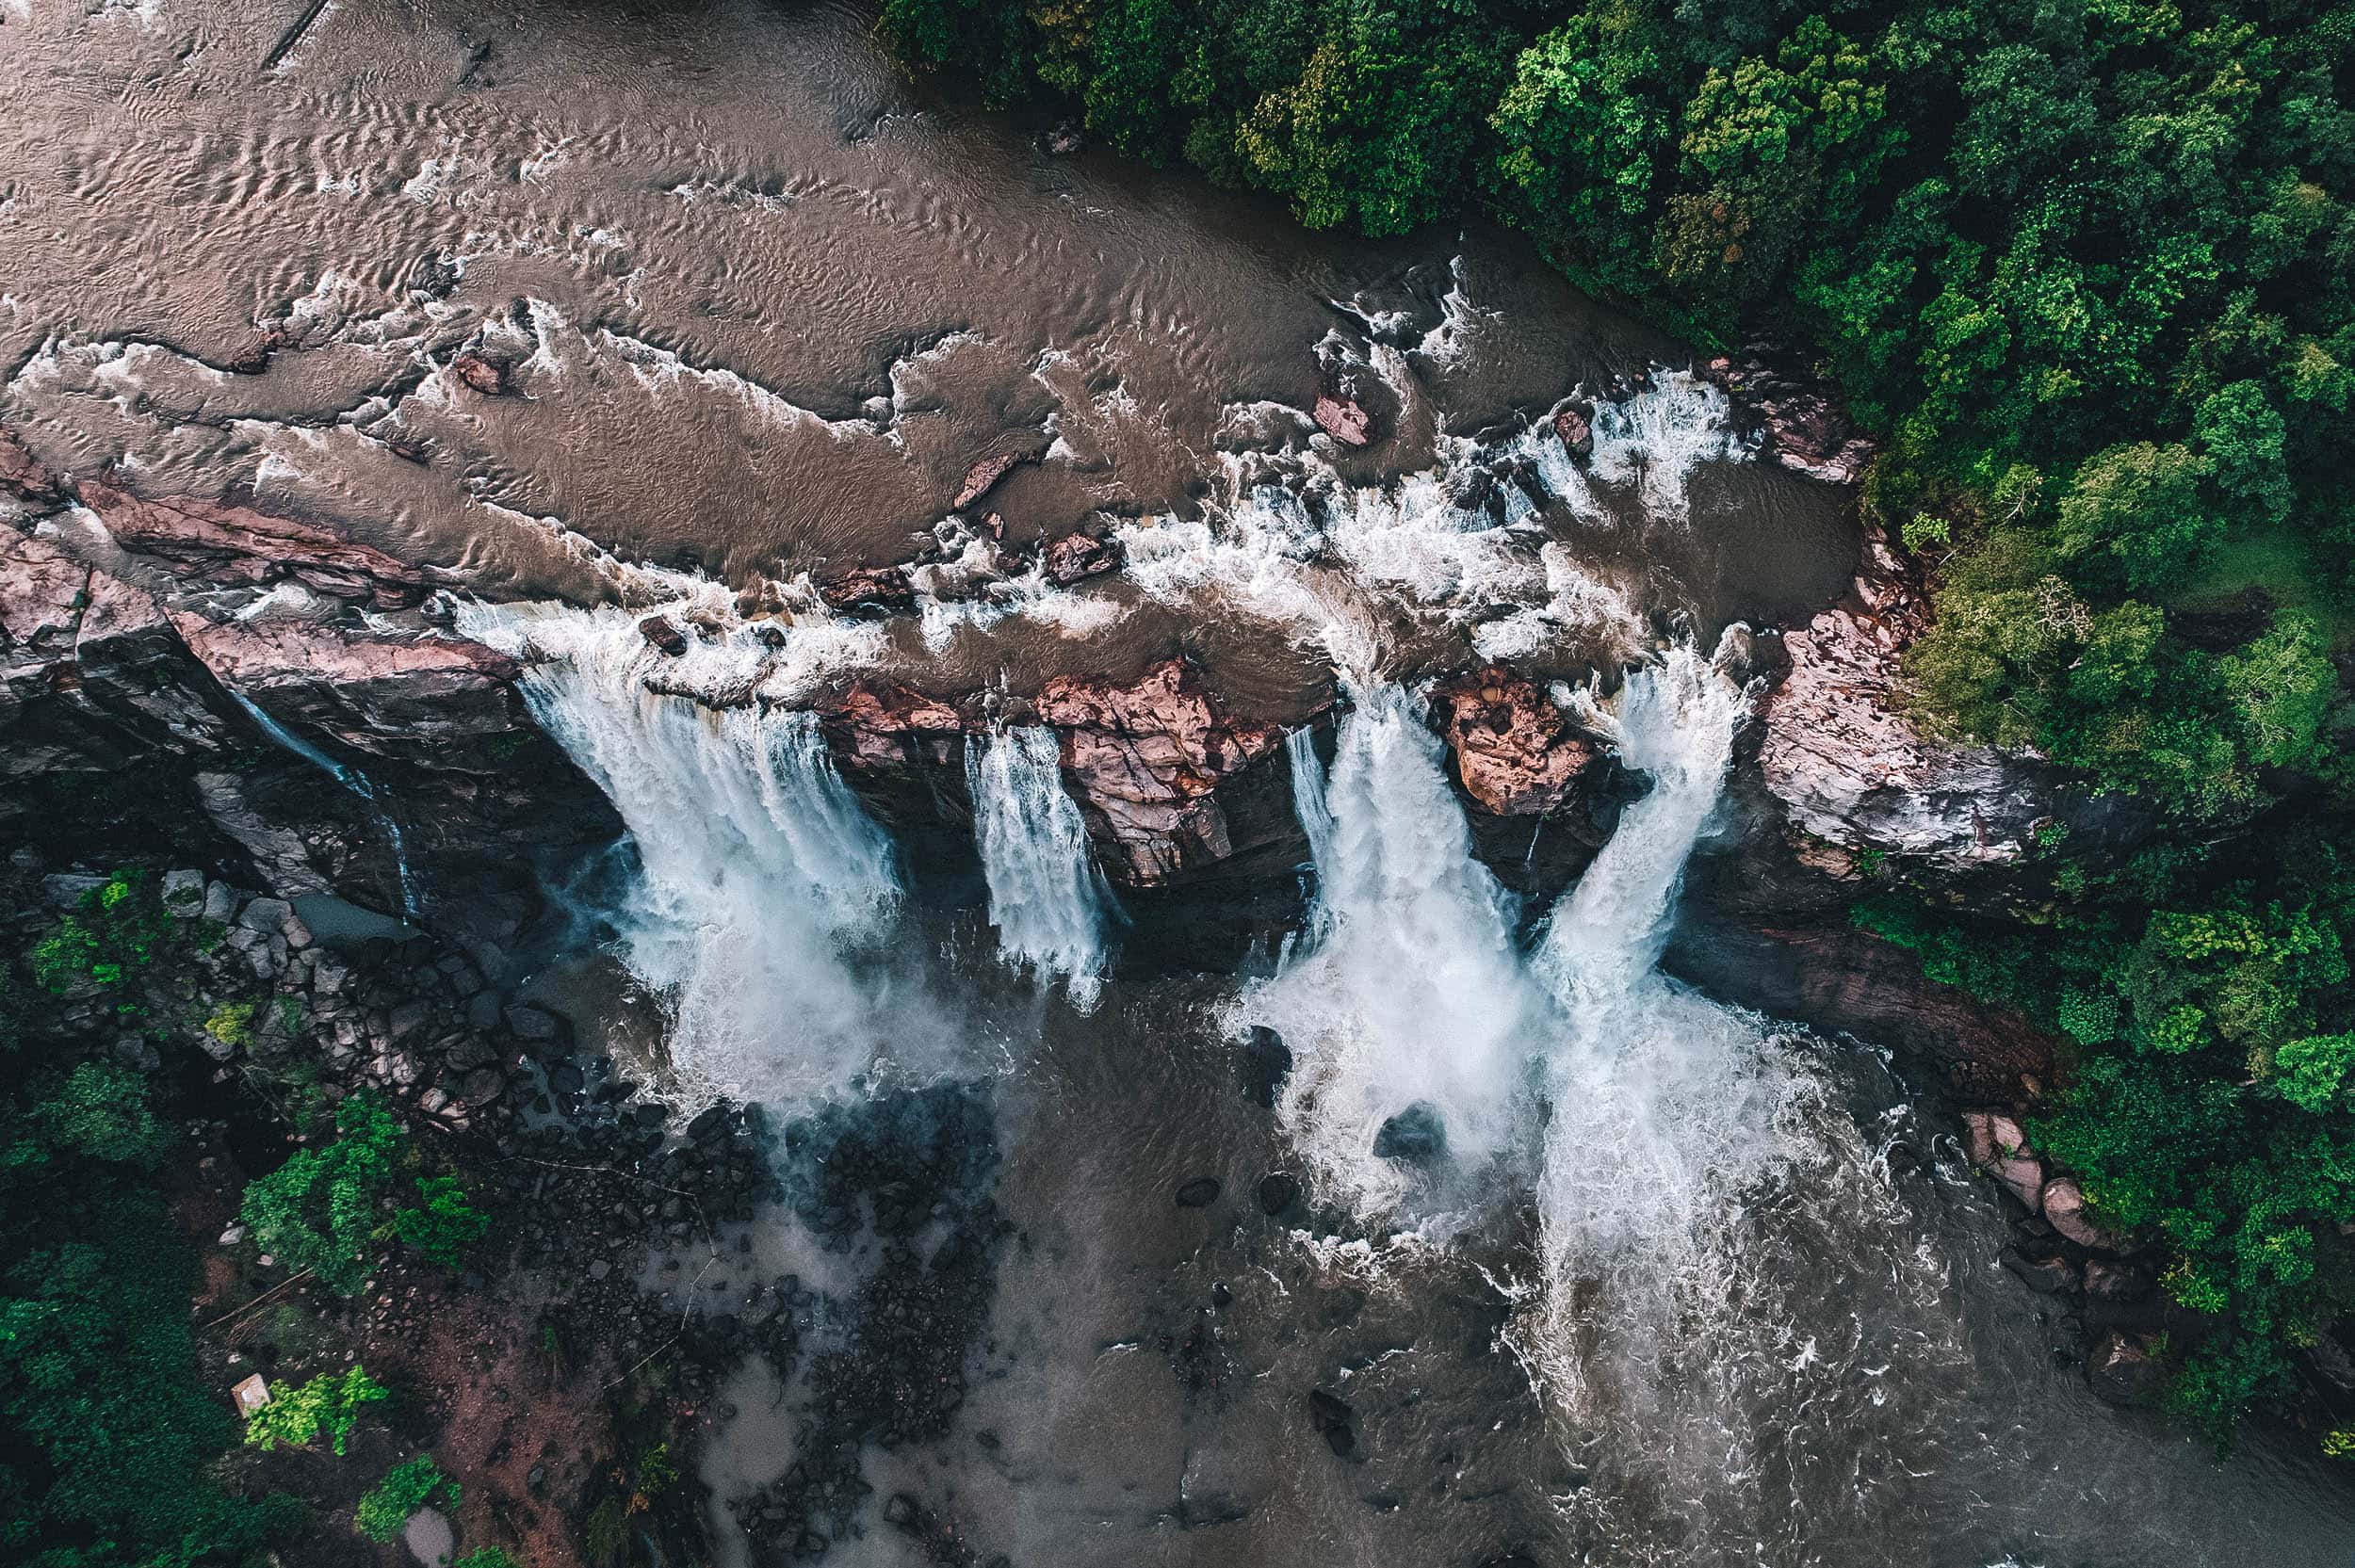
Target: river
point(1564, 1262)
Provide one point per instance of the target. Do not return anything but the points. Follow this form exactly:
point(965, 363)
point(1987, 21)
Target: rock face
point(1840, 979)
point(1515, 752)
point(1146, 761)
point(221, 541)
point(1076, 557)
point(1850, 770)
point(869, 590)
point(127, 657)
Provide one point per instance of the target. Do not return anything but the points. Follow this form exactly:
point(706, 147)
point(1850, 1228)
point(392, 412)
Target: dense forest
point(2087, 268)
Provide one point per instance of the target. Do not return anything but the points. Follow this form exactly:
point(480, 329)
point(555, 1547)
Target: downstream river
point(1532, 1256)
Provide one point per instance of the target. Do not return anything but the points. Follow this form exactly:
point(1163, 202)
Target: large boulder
point(1515, 754)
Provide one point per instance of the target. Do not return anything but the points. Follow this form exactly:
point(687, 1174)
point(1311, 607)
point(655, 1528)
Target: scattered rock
point(1076, 557)
point(1796, 416)
point(2052, 1276)
point(2065, 1211)
point(873, 591)
point(1576, 432)
point(663, 634)
point(2122, 1371)
point(983, 476)
point(485, 376)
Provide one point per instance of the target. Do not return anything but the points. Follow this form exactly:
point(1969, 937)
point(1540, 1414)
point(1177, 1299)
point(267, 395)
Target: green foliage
point(447, 1226)
point(407, 1487)
point(486, 1557)
point(330, 1402)
point(318, 1211)
point(108, 1439)
point(232, 1024)
point(118, 928)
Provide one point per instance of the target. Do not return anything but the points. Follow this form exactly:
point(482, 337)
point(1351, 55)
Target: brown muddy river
point(587, 303)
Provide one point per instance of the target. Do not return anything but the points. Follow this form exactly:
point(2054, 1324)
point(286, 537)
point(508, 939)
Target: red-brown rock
point(879, 725)
point(485, 376)
point(224, 542)
point(1145, 760)
point(22, 472)
point(1343, 419)
point(983, 476)
point(1576, 432)
point(1076, 557)
point(1515, 752)
point(869, 590)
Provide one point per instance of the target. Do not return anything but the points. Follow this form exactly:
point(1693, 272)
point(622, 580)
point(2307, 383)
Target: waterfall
point(1046, 898)
point(346, 775)
point(759, 877)
point(1406, 1004)
point(1666, 1114)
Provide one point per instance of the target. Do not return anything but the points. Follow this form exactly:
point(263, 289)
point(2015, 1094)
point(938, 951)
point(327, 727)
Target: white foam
point(1046, 898)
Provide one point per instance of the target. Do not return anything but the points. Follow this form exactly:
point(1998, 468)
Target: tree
point(2140, 504)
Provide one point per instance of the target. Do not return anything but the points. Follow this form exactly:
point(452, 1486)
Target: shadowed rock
point(1415, 1136)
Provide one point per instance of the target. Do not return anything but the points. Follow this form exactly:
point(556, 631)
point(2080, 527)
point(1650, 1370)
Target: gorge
point(1082, 879)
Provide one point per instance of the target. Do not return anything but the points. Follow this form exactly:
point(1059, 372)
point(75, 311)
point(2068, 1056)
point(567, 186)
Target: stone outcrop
point(1799, 422)
point(1852, 770)
point(1839, 979)
point(869, 590)
point(1515, 754)
point(983, 476)
point(1146, 761)
point(1342, 418)
point(224, 542)
point(1076, 557)
point(401, 757)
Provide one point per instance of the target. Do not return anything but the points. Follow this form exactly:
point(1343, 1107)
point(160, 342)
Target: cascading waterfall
point(1407, 991)
point(760, 875)
point(1663, 1106)
point(1046, 898)
point(350, 778)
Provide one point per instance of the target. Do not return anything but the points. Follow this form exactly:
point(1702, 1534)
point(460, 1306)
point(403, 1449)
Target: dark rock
point(1201, 1192)
point(2065, 1211)
point(869, 590)
point(1076, 557)
point(1278, 1192)
point(2052, 1276)
point(2122, 1371)
point(663, 632)
point(2112, 1280)
point(1415, 1136)
point(901, 1509)
point(1262, 1062)
point(1064, 140)
point(531, 1023)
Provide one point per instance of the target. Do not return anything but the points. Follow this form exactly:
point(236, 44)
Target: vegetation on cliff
point(2087, 268)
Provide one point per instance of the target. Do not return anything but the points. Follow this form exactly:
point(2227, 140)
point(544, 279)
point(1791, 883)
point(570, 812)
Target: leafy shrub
point(406, 1488)
point(486, 1557)
point(447, 1226)
point(318, 1211)
point(330, 1402)
point(117, 929)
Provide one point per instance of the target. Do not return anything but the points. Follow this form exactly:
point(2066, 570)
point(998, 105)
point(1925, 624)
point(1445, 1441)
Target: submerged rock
point(1262, 1062)
point(1201, 1192)
point(2122, 1371)
point(1415, 1136)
